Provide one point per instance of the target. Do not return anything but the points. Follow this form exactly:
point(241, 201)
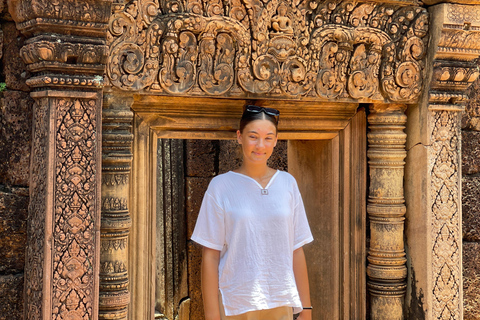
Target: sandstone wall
point(15, 136)
point(471, 203)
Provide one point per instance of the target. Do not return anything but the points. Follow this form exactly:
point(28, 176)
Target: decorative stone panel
point(65, 52)
point(62, 256)
point(327, 50)
point(434, 213)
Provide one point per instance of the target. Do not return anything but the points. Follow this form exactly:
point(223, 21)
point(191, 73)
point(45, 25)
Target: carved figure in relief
point(251, 279)
point(345, 49)
point(281, 23)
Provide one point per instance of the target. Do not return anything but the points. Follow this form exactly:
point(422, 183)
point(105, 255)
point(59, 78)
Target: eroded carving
point(46, 52)
point(386, 268)
point(116, 163)
point(460, 14)
point(454, 69)
point(336, 49)
point(87, 17)
point(34, 264)
point(445, 209)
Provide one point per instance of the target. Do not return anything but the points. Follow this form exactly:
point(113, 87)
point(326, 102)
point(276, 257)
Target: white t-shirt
point(256, 234)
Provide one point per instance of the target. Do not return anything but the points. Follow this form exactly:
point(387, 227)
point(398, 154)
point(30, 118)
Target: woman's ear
point(239, 137)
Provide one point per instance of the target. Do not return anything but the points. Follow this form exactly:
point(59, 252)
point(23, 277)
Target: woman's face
point(258, 139)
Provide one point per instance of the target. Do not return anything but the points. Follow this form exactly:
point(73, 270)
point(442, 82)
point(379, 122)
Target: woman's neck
point(258, 173)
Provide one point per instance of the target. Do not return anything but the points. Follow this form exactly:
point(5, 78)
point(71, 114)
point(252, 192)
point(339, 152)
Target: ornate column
point(386, 268)
point(117, 157)
point(433, 229)
point(65, 51)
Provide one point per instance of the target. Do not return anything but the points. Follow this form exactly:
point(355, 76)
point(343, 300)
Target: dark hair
point(252, 113)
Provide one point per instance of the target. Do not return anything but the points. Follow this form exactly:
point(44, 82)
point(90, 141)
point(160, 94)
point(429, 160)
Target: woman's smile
point(258, 139)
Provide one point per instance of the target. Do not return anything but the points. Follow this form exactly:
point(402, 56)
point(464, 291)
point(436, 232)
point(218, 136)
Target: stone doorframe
point(193, 118)
point(72, 271)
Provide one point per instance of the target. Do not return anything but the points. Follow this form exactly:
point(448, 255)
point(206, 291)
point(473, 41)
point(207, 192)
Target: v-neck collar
point(258, 184)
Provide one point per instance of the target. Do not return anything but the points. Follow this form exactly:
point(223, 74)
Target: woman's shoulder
point(219, 181)
point(286, 176)
point(287, 180)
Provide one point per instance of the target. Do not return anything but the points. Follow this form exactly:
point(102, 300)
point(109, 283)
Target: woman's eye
point(252, 137)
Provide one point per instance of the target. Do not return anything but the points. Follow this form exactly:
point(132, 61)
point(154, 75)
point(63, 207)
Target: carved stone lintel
point(386, 211)
point(327, 50)
point(116, 222)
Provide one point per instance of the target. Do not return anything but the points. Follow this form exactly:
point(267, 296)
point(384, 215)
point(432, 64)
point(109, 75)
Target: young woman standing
point(252, 226)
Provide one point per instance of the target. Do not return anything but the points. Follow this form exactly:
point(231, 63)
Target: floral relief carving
point(461, 13)
point(334, 49)
point(446, 220)
point(88, 10)
point(34, 266)
point(75, 206)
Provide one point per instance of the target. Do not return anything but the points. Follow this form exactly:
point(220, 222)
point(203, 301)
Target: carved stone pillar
point(433, 229)
point(117, 141)
point(386, 210)
point(66, 52)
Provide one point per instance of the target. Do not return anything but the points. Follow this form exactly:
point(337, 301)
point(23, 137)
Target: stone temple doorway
point(327, 155)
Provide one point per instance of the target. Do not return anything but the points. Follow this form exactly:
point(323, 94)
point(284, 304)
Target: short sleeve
point(302, 232)
point(210, 227)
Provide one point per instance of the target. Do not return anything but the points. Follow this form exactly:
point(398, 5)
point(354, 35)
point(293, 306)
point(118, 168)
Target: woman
point(252, 226)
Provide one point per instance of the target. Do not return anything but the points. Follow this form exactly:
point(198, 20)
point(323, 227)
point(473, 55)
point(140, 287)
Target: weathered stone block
point(201, 157)
point(470, 152)
point(279, 160)
point(13, 225)
point(195, 280)
point(11, 297)
point(195, 189)
point(230, 156)
point(471, 116)
point(13, 66)
point(471, 280)
point(471, 208)
point(16, 109)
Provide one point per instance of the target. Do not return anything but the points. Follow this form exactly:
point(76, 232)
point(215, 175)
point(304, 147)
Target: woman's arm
point(301, 278)
point(210, 260)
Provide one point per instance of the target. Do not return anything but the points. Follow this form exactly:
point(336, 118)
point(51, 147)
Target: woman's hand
point(210, 260)
point(305, 315)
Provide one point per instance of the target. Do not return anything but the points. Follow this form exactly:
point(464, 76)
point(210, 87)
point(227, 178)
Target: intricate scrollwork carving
point(335, 49)
point(454, 69)
point(74, 234)
point(445, 208)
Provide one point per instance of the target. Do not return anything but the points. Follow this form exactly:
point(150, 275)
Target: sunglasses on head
point(256, 109)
